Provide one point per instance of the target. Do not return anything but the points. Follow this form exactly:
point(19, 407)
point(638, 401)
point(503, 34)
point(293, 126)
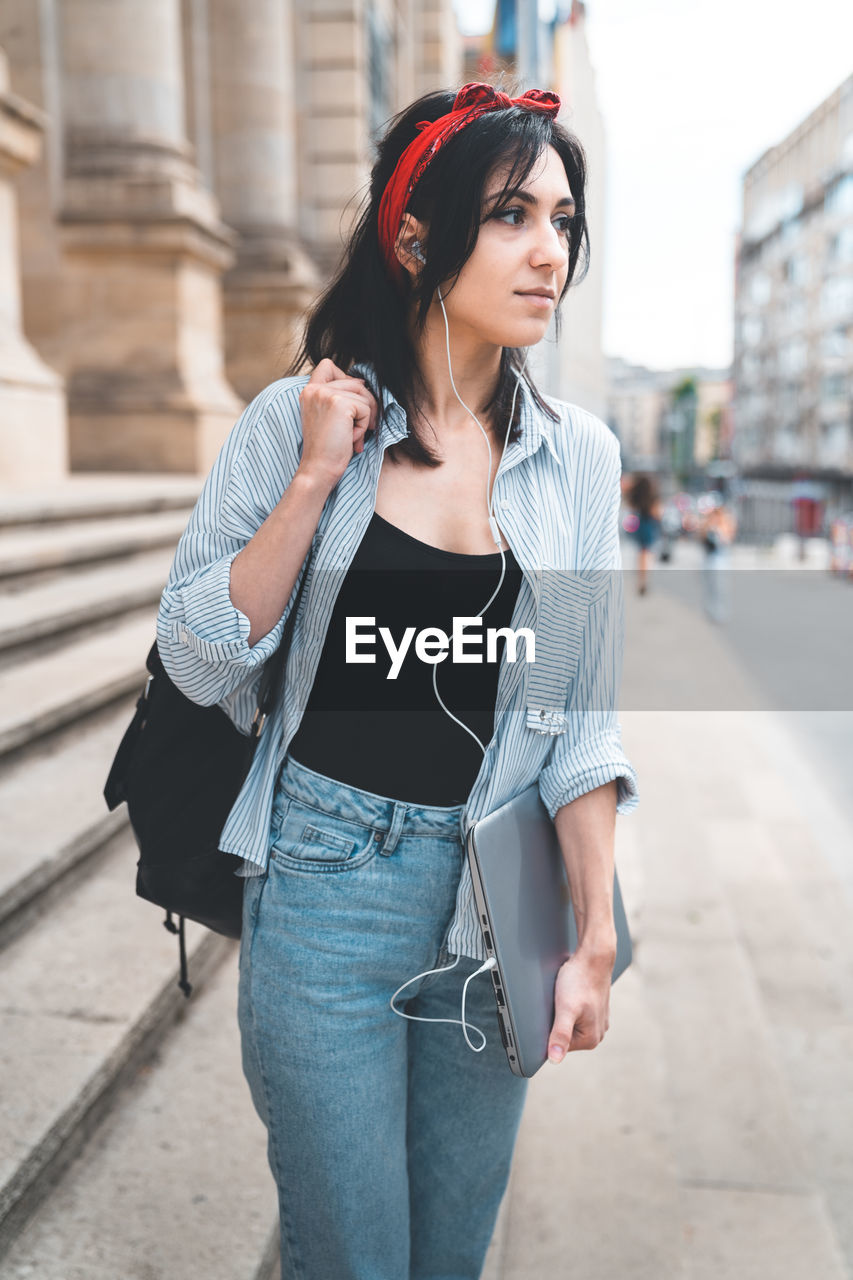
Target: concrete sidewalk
point(710, 1135)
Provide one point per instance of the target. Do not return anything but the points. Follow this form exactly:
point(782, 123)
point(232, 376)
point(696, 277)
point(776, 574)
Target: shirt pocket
point(312, 840)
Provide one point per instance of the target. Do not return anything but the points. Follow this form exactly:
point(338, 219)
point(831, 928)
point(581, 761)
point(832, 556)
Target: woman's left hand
point(581, 1003)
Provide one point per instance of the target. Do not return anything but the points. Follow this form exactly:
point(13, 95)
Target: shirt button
point(184, 634)
point(542, 715)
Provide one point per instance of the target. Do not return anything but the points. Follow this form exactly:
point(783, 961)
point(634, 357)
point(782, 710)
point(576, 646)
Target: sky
point(692, 93)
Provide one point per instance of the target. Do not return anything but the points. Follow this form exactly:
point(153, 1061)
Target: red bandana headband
point(472, 101)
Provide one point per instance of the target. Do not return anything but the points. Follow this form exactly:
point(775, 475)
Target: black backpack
point(179, 768)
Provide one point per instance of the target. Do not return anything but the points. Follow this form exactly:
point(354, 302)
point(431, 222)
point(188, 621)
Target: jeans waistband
point(385, 814)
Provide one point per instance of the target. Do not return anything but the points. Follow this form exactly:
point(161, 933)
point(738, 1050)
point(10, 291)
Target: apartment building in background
point(793, 355)
point(675, 423)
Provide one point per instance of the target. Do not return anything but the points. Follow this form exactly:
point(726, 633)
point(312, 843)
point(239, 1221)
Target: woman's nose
point(551, 248)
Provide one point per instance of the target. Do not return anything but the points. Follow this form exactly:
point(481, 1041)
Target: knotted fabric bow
point(472, 101)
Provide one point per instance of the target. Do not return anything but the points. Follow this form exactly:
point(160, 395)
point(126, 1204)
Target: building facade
point(176, 180)
point(670, 420)
point(793, 359)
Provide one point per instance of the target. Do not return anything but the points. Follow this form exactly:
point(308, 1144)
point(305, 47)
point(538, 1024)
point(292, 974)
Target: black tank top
point(391, 736)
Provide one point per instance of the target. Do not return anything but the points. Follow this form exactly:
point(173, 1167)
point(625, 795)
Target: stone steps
point(175, 1182)
point(88, 992)
point(68, 543)
point(71, 600)
point(54, 814)
point(49, 691)
point(123, 1110)
point(85, 497)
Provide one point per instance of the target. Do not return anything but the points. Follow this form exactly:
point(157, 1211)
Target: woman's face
point(523, 244)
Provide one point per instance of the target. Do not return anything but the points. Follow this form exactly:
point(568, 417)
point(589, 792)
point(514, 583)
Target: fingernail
point(555, 1053)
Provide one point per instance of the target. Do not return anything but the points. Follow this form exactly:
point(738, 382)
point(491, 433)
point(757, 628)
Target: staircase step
point(176, 1181)
point(89, 991)
point(86, 496)
point(52, 690)
point(77, 599)
point(69, 542)
point(54, 814)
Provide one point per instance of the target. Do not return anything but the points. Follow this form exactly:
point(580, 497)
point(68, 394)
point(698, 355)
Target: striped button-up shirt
point(556, 500)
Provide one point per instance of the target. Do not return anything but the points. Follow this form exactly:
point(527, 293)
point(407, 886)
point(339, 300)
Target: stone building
point(176, 178)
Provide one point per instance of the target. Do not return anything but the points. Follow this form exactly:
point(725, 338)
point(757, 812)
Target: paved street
point(711, 1133)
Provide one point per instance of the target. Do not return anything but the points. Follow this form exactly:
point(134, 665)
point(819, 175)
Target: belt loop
point(389, 844)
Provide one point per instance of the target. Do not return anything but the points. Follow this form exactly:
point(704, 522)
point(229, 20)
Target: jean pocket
point(312, 840)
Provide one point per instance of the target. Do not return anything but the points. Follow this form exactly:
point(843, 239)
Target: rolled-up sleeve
point(589, 752)
point(202, 637)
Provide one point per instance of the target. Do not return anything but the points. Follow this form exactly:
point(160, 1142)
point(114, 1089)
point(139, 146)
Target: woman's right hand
point(337, 411)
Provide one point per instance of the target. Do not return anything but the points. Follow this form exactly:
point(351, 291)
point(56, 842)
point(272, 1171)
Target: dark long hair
point(363, 315)
point(643, 494)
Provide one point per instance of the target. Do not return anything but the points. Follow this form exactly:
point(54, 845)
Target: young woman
point(413, 479)
point(644, 500)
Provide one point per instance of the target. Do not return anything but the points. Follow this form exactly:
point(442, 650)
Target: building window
point(790, 230)
point(836, 296)
point(832, 386)
point(792, 357)
point(759, 289)
point(835, 344)
point(834, 444)
point(752, 330)
point(750, 367)
point(797, 269)
point(839, 248)
point(839, 197)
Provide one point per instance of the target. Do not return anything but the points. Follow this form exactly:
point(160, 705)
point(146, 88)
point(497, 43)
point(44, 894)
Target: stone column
point(32, 404)
point(273, 280)
point(144, 248)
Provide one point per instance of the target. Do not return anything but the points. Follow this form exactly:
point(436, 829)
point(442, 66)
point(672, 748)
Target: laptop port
point(488, 938)
point(499, 996)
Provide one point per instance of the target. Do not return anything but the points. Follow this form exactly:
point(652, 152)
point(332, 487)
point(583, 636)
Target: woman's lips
point(538, 300)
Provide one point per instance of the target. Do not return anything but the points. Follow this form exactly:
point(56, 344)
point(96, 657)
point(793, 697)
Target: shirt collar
point(535, 426)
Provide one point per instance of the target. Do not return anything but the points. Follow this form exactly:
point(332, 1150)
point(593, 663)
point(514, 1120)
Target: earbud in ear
point(416, 251)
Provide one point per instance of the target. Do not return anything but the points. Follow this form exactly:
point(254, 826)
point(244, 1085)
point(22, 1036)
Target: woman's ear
point(412, 233)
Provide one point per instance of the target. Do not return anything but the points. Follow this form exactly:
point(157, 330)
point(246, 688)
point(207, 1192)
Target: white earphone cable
point(491, 963)
point(490, 498)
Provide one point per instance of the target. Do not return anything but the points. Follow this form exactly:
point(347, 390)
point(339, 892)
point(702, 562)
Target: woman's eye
point(565, 221)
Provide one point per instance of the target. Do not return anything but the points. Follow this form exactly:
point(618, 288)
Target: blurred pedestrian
point(717, 531)
point(644, 501)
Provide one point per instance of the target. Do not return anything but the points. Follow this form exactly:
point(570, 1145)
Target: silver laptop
point(527, 921)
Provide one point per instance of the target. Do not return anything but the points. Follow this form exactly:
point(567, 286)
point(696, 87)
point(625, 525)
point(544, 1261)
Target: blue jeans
point(390, 1141)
